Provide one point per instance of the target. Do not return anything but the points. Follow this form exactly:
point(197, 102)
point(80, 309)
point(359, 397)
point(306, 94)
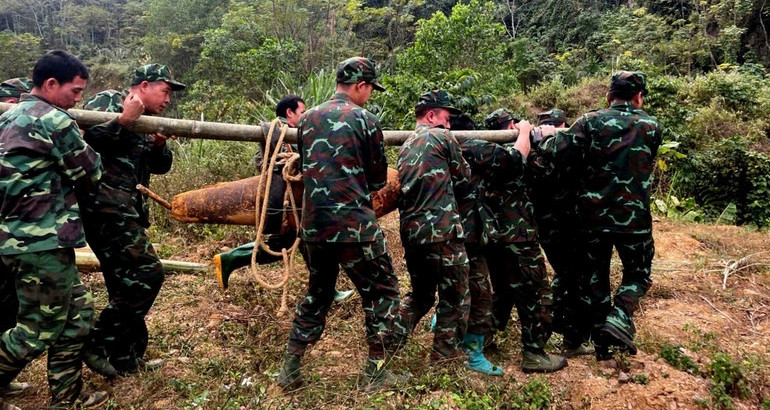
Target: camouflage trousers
point(133, 275)
point(480, 316)
point(563, 250)
point(8, 300)
point(636, 252)
point(441, 266)
point(55, 311)
point(369, 267)
point(519, 278)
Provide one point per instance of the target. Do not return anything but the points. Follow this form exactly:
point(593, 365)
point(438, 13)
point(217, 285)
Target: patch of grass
point(640, 378)
point(674, 356)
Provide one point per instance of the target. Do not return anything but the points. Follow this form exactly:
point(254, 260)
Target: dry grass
point(222, 349)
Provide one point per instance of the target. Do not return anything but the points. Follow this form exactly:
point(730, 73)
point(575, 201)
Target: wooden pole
point(241, 132)
point(87, 261)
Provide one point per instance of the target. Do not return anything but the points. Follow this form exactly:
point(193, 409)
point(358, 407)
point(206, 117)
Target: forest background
point(706, 62)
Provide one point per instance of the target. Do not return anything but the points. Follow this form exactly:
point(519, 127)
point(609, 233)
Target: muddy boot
point(570, 349)
point(289, 375)
point(615, 337)
point(541, 362)
point(14, 389)
point(84, 401)
point(340, 296)
point(227, 262)
point(473, 345)
point(99, 365)
point(378, 377)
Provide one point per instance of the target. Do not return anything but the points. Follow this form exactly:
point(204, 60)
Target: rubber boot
point(14, 388)
point(541, 362)
point(99, 365)
point(227, 262)
point(570, 349)
point(433, 323)
point(473, 344)
point(378, 377)
point(343, 295)
point(289, 375)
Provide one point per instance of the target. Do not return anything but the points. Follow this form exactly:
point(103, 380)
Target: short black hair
point(289, 102)
point(60, 65)
point(461, 122)
point(623, 95)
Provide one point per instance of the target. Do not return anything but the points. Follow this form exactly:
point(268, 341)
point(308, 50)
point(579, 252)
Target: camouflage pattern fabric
point(369, 267)
point(511, 204)
point(480, 314)
point(343, 160)
point(156, 72)
point(115, 219)
point(442, 267)
point(430, 167)
point(43, 162)
point(14, 87)
point(616, 148)
point(636, 253)
point(357, 69)
point(518, 274)
point(133, 276)
point(55, 313)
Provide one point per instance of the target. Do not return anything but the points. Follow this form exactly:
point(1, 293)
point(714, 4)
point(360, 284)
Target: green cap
point(552, 117)
point(498, 118)
point(634, 81)
point(357, 69)
point(437, 99)
point(156, 72)
point(15, 86)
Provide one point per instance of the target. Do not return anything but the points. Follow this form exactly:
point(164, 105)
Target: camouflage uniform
point(343, 160)
point(12, 88)
point(554, 195)
point(516, 263)
point(44, 164)
point(115, 218)
point(616, 148)
point(430, 167)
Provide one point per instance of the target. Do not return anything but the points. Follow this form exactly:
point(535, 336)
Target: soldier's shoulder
point(107, 100)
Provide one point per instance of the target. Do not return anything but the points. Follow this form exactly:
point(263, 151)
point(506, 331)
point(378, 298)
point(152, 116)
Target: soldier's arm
point(568, 148)
point(112, 138)
point(377, 167)
point(160, 159)
point(81, 165)
point(459, 170)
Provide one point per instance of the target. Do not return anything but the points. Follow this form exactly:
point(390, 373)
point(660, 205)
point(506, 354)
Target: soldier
point(554, 196)
point(430, 168)
point(11, 90)
point(615, 149)
point(288, 110)
point(115, 218)
point(516, 264)
point(343, 160)
point(40, 227)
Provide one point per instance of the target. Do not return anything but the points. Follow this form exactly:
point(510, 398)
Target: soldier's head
point(153, 83)
point(628, 86)
point(555, 117)
point(500, 119)
point(59, 77)
point(11, 90)
point(290, 107)
point(462, 122)
point(435, 109)
point(357, 77)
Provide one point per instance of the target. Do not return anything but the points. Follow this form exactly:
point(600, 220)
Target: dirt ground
point(222, 349)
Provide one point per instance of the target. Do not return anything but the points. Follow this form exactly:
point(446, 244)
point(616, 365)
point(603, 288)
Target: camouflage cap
point(436, 99)
point(552, 117)
point(498, 118)
point(357, 69)
point(15, 86)
point(634, 81)
point(156, 72)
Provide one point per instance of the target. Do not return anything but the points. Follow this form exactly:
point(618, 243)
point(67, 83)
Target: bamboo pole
point(88, 261)
point(242, 132)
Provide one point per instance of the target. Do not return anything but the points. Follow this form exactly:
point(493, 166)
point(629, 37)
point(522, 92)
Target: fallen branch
point(738, 265)
point(717, 309)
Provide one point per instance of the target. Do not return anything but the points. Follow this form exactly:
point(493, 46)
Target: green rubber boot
point(541, 362)
point(378, 377)
point(289, 375)
point(227, 262)
point(473, 344)
point(340, 296)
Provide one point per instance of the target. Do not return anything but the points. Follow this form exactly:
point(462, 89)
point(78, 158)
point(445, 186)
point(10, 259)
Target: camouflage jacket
point(44, 165)
point(343, 160)
point(258, 156)
point(129, 159)
point(430, 167)
point(615, 148)
point(489, 164)
point(510, 201)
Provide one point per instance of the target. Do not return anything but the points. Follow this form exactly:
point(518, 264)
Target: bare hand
point(160, 139)
point(547, 130)
point(522, 142)
point(133, 107)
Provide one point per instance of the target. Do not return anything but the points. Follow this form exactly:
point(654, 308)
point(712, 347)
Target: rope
point(260, 210)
